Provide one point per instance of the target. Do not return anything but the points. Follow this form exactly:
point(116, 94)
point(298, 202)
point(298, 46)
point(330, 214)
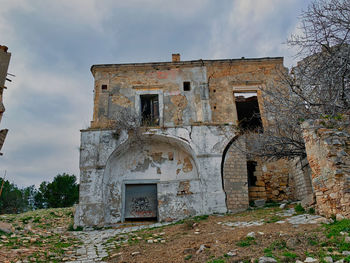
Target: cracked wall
point(184, 154)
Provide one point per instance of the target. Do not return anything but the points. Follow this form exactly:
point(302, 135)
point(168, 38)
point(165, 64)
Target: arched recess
point(234, 174)
point(152, 158)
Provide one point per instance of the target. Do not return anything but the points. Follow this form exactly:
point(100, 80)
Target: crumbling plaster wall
point(197, 124)
point(177, 107)
point(239, 76)
point(180, 194)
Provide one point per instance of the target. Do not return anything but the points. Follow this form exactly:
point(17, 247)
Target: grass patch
point(25, 220)
point(200, 218)
point(290, 255)
point(299, 209)
point(273, 219)
point(334, 229)
point(268, 252)
point(188, 257)
point(248, 241)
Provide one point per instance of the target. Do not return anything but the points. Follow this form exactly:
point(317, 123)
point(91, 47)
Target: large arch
point(167, 161)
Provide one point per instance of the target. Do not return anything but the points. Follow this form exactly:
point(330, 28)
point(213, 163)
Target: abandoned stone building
point(4, 63)
point(182, 156)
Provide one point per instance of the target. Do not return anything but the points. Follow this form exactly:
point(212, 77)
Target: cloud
point(54, 43)
point(254, 28)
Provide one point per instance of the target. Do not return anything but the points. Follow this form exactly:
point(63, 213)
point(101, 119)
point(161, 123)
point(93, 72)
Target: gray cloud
point(54, 43)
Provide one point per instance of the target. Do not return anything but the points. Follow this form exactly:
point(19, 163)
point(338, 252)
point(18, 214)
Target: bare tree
point(318, 87)
point(128, 120)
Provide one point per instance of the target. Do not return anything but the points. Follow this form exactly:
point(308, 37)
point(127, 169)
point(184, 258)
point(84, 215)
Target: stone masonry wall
point(327, 145)
point(258, 191)
point(274, 179)
point(301, 173)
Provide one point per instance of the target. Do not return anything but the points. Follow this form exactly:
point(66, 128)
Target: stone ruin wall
point(328, 151)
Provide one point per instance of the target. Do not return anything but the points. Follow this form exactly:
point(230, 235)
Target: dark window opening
point(150, 109)
point(187, 86)
point(104, 87)
point(248, 111)
point(251, 168)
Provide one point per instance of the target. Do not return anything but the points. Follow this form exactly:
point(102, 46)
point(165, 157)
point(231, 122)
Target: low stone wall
point(327, 145)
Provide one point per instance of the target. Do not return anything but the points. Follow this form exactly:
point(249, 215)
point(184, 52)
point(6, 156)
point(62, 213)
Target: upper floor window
point(150, 109)
point(248, 110)
point(187, 86)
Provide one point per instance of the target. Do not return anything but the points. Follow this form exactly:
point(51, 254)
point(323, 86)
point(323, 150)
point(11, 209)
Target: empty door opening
point(141, 202)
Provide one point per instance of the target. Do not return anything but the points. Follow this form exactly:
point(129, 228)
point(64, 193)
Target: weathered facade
point(184, 159)
point(4, 63)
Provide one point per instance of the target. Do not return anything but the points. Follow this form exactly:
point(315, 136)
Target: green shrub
point(299, 209)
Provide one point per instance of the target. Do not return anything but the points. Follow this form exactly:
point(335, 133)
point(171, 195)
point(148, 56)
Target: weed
point(334, 229)
point(274, 219)
point(188, 257)
point(218, 260)
point(25, 220)
point(246, 242)
point(268, 252)
point(36, 220)
point(200, 218)
point(278, 244)
point(299, 209)
point(290, 255)
point(312, 241)
point(311, 211)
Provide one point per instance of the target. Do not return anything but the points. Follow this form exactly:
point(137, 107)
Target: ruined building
point(180, 156)
point(4, 63)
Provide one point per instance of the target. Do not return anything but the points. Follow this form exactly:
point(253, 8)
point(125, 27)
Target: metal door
point(140, 201)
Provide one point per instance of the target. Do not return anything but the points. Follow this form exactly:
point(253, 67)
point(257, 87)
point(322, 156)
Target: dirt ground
point(44, 236)
point(285, 242)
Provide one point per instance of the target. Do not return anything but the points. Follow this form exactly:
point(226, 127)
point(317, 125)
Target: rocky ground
point(260, 235)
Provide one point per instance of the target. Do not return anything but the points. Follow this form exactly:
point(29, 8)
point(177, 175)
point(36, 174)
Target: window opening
point(187, 86)
point(104, 87)
point(251, 168)
point(150, 109)
point(248, 110)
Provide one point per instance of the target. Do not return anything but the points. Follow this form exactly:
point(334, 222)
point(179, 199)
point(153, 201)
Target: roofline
point(199, 62)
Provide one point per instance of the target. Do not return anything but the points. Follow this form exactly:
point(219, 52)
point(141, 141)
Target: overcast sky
point(54, 43)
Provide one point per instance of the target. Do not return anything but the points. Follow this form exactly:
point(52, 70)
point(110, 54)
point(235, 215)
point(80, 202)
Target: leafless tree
point(318, 87)
point(128, 120)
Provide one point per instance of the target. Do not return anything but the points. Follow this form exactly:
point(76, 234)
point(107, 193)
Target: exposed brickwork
point(258, 191)
point(235, 177)
point(328, 151)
